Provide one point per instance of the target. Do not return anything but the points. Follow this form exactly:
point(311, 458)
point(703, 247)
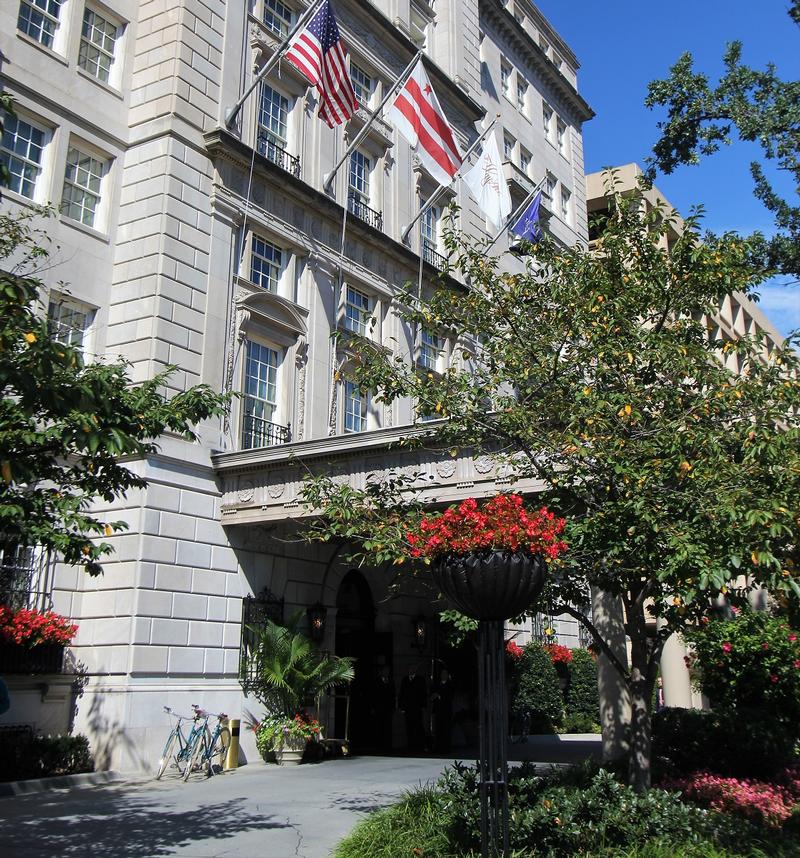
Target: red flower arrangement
point(500, 522)
point(29, 628)
point(514, 650)
point(559, 654)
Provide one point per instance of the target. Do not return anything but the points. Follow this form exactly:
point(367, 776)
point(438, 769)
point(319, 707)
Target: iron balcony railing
point(258, 432)
point(275, 152)
point(26, 576)
point(432, 257)
point(357, 207)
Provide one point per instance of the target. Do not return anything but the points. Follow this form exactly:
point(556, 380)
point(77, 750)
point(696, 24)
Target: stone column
point(674, 673)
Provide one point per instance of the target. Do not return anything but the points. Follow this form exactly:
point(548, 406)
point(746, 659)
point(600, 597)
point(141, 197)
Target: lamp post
point(420, 634)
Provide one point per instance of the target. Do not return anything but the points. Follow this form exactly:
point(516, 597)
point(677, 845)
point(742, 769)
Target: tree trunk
point(641, 691)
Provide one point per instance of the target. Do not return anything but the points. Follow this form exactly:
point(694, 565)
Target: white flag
point(487, 183)
point(418, 116)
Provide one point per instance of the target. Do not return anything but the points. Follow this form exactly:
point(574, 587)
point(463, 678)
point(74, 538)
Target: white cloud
point(782, 305)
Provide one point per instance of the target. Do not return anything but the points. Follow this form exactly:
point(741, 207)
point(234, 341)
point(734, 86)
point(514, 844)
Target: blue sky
point(622, 45)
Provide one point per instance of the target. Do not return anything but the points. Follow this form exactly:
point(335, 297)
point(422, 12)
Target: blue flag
point(527, 224)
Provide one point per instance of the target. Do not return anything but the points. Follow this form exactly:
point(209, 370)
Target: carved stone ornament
point(484, 464)
point(246, 491)
point(446, 468)
point(276, 489)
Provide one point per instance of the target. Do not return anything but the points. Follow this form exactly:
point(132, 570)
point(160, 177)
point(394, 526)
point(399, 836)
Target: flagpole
point(329, 177)
point(520, 208)
point(233, 112)
point(442, 188)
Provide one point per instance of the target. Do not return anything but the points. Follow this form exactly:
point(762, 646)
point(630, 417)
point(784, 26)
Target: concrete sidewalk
point(258, 811)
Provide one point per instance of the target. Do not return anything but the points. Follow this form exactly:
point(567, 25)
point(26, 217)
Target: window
point(550, 185)
point(260, 398)
point(419, 25)
point(565, 205)
point(561, 138)
point(359, 176)
point(508, 147)
point(22, 149)
point(25, 576)
point(429, 227)
point(522, 94)
point(98, 37)
point(68, 322)
point(83, 181)
point(277, 17)
point(265, 264)
point(39, 20)
point(544, 45)
point(505, 78)
point(431, 347)
point(547, 120)
point(557, 61)
point(355, 408)
point(362, 84)
point(273, 113)
point(356, 311)
point(524, 160)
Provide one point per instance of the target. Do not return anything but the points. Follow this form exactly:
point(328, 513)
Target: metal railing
point(273, 151)
point(356, 206)
point(258, 432)
point(26, 576)
point(433, 257)
point(256, 610)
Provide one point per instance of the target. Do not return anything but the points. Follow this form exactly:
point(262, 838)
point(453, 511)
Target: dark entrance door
point(356, 637)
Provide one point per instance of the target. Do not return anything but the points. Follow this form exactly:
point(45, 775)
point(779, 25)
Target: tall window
point(508, 147)
point(524, 160)
point(22, 149)
point(277, 17)
point(83, 181)
point(547, 120)
point(430, 228)
point(431, 346)
point(359, 177)
point(273, 114)
point(505, 78)
point(68, 322)
point(98, 37)
point(550, 186)
point(39, 20)
point(362, 84)
point(522, 94)
point(566, 196)
point(260, 397)
point(355, 408)
point(561, 138)
point(356, 311)
point(265, 264)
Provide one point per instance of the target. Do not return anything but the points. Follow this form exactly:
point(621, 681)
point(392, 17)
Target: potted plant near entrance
point(33, 641)
point(489, 559)
point(291, 674)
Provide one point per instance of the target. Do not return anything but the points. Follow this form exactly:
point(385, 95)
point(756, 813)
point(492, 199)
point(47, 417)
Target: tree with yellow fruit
point(597, 373)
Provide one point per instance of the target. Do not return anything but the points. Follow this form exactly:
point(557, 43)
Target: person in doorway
point(412, 701)
point(442, 699)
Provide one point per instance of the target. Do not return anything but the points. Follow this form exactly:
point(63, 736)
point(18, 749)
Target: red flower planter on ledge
point(44, 658)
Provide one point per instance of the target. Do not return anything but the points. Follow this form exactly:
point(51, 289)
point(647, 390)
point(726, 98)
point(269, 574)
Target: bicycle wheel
point(220, 751)
point(199, 749)
point(167, 755)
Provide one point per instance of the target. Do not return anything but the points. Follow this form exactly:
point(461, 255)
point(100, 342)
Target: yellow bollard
point(232, 760)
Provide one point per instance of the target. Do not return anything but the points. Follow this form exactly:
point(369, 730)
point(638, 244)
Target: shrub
point(537, 705)
point(583, 699)
point(27, 756)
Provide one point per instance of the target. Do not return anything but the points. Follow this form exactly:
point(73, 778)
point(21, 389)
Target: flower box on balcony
point(44, 658)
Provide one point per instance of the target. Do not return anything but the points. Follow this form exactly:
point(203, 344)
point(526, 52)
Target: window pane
point(359, 175)
point(265, 264)
point(277, 17)
point(355, 409)
point(69, 323)
point(273, 113)
point(39, 19)
point(22, 148)
point(82, 183)
point(362, 84)
point(356, 311)
point(98, 37)
point(431, 348)
point(260, 392)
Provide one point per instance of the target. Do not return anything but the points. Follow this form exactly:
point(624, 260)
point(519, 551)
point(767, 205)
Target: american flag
point(319, 53)
point(418, 116)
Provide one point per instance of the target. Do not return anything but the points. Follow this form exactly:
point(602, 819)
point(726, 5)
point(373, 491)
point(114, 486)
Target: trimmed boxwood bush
point(27, 756)
point(537, 705)
point(583, 699)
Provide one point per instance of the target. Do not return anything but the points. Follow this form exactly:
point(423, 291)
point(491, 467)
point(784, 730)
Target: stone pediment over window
point(272, 311)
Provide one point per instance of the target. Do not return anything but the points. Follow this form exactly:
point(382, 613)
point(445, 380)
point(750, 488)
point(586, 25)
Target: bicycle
point(209, 746)
point(184, 744)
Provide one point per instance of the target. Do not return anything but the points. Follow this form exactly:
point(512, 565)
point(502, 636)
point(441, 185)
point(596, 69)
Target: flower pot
point(290, 753)
point(492, 584)
point(44, 658)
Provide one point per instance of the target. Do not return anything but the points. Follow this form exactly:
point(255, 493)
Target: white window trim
point(115, 71)
point(280, 407)
point(100, 224)
point(42, 186)
point(87, 346)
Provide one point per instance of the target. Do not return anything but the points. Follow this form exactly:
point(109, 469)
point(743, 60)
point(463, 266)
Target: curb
point(39, 785)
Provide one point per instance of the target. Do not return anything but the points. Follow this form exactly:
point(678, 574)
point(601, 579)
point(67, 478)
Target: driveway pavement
point(257, 811)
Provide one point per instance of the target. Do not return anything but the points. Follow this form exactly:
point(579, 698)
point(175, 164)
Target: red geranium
point(500, 522)
point(559, 654)
point(29, 628)
point(514, 650)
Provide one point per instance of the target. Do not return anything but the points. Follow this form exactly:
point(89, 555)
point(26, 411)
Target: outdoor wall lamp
point(420, 633)
point(316, 621)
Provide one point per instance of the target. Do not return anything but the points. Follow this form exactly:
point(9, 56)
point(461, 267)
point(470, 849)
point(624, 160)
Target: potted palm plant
point(290, 674)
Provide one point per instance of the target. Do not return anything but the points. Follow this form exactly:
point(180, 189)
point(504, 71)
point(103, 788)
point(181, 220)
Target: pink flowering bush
point(29, 628)
point(759, 801)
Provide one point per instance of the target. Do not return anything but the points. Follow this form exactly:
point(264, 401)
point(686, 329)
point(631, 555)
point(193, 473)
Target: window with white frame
point(357, 311)
point(39, 20)
point(69, 322)
point(355, 408)
point(273, 117)
point(430, 350)
point(360, 167)
point(525, 159)
point(98, 40)
point(550, 185)
point(430, 228)
point(561, 138)
point(363, 84)
point(277, 17)
point(83, 182)
point(557, 61)
point(260, 400)
point(266, 263)
point(509, 144)
point(505, 78)
point(566, 207)
point(522, 94)
point(547, 120)
point(22, 151)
